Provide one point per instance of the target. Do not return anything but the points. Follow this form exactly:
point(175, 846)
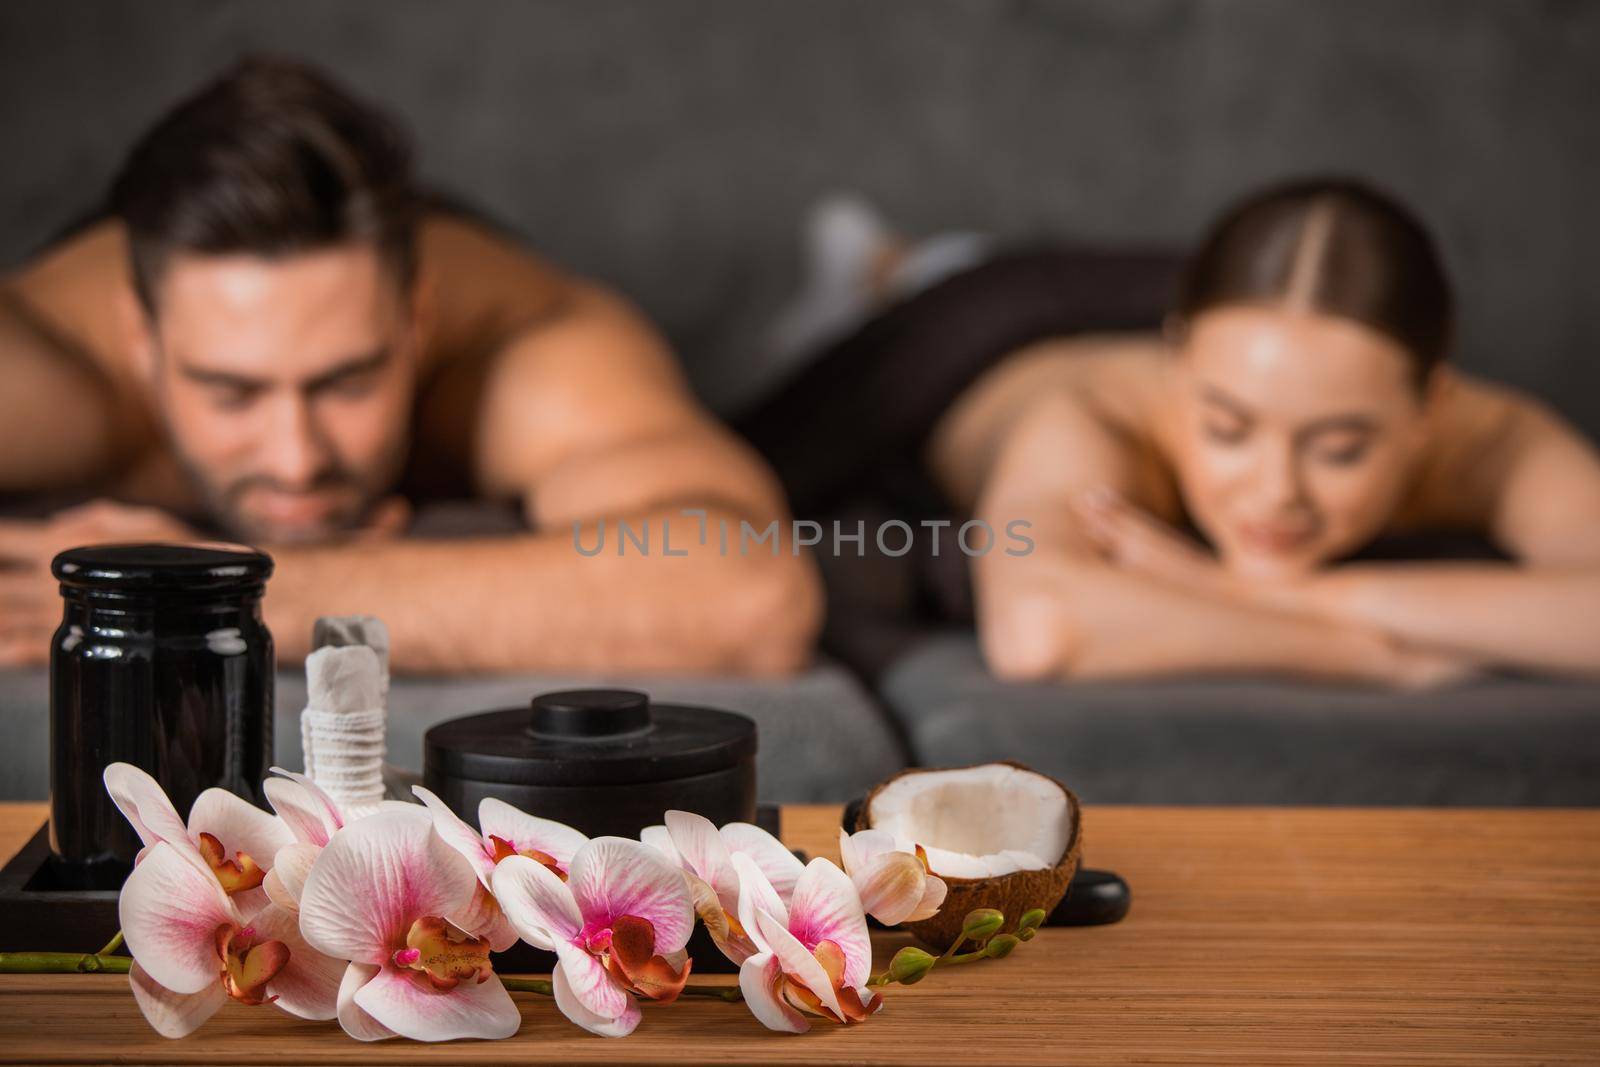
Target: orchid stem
point(62, 963)
point(946, 958)
point(112, 945)
point(528, 985)
point(729, 993)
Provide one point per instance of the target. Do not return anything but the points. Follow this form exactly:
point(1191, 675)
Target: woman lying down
point(1292, 405)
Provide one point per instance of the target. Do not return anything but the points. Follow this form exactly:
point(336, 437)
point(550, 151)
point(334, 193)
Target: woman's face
point(1297, 435)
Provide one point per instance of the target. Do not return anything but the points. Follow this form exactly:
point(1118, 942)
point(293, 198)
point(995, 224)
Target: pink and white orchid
point(193, 950)
point(231, 838)
point(815, 955)
point(384, 894)
point(706, 855)
point(313, 817)
point(893, 879)
point(506, 832)
point(618, 925)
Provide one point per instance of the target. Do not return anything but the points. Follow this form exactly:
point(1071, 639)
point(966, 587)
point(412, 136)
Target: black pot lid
point(589, 737)
point(161, 568)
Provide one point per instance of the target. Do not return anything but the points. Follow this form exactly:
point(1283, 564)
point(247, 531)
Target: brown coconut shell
point(1011, 894)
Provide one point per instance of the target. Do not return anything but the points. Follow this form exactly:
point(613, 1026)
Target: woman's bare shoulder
point(1483, 435)
point(1109, 385)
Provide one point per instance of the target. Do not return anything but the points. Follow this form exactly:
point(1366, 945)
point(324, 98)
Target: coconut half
point(999, 834)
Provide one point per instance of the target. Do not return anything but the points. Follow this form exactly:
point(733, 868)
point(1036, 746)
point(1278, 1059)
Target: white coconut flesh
point(977, 822)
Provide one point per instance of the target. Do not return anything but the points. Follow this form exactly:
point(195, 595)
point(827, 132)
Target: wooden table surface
point(1257, 935)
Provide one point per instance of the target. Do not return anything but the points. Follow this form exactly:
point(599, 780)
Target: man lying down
point(273, 337)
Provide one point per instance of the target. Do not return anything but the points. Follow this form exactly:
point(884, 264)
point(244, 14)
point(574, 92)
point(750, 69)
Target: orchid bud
point(910, 965)
point(1000, 947)
point(1031, 920)
point(981, 923)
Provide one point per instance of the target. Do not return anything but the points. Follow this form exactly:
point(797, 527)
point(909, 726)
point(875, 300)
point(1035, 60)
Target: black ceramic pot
point(604, 761)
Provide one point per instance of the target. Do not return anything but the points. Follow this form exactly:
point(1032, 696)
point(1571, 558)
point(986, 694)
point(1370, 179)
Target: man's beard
point(230, 512)
point(223, 503)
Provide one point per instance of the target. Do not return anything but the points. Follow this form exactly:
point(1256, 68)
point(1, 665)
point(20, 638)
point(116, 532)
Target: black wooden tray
point(42, 915)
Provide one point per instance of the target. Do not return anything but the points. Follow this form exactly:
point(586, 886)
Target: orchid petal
point(406, 1003)
point(781, 866)
point(591, 983)
point(826, 907)
point(457, 834)
point(862, 847)
point(311, 814)
point(173, 1014)
point(934, 890)
point(286, 882)
point(798, 964)
point(245, 834)
point(703, 851)
point(170, 911)
point(859, 1002)
point(239, 825)
point(659, 839)
point(537, 903)
point(832, 959)
point(758, 981)
point(618, 1026)
point(612, 876)
point(714, 915)
point(529, 832)
point(891, 887)
point(484, 918)
point(250, 902)
point(377, 876)
point(352, 1017)
point(648, 974)
point(144, 803)
point(308, 985)
point(850, 857)
point(756, 895)
point(500, 934)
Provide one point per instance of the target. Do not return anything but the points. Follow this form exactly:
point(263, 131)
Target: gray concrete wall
point(670, 146)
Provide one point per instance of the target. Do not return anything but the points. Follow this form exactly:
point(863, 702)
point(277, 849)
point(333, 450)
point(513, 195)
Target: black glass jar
point(162, 660)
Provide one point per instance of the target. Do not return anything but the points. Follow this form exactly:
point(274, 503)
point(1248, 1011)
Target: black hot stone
point(605, 761)
point(162, 661)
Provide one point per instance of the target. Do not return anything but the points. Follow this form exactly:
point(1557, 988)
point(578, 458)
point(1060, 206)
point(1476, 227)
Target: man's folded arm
point(535, 603)
point(588, 420)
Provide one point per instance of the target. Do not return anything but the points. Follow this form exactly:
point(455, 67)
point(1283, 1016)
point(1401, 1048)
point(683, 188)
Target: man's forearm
point(536, 603)
point(1506, 614)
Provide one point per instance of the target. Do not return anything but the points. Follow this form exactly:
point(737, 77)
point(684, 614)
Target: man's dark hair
point(272, 158)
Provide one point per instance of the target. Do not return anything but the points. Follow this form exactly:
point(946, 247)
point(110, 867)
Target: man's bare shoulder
point(584, 378)
point(71, 289)
point(479, 285)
